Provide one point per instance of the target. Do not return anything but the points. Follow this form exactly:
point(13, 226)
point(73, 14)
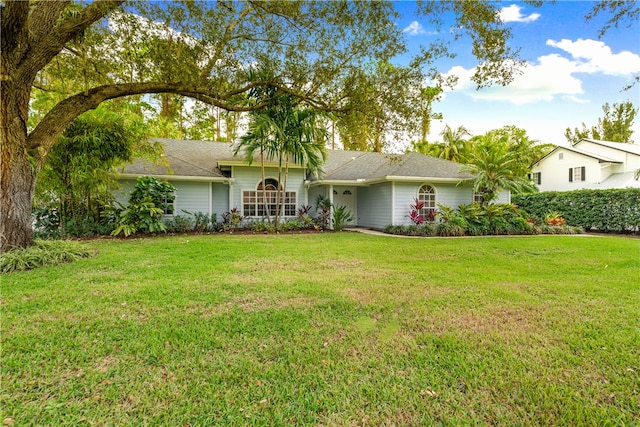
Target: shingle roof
point(628, 148)
point(185, 158)
point(200, 159)
point(355, 165)
point(596, 156)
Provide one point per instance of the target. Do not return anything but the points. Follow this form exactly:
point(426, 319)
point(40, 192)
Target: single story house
point(376, 187)
point(588, 164)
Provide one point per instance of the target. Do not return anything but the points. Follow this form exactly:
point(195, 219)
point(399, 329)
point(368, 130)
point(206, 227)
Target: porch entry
point(346, 196)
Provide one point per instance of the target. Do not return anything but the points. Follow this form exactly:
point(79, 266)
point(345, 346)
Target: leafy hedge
point(614, 210)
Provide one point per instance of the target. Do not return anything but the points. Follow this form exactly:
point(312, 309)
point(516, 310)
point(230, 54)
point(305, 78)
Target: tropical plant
point(285, 131)
point(77, 179)
point(149, 199)
point(414, 211)
point(232, 220)
point(341, 217)
point(554, 218)
point(323, 209)
point(495, 169)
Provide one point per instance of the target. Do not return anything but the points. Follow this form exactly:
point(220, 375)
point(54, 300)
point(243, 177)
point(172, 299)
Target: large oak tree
point(201, 50)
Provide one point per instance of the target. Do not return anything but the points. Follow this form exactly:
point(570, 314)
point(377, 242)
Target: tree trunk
point(18, 169)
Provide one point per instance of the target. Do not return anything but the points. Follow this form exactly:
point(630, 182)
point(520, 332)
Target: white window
point(427, 195)
point(478, 198)
point(256, 202)
point(560, 156)
point(536, 177)
point(577, 174)
point(169, 204)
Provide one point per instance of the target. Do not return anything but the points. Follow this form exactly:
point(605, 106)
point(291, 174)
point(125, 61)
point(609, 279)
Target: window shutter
point(583, 176)
point(539, 178)
point(570, 175)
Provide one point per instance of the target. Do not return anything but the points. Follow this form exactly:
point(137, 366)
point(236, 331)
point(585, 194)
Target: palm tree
point(496, 168)
point(453, 143)
point(286, 132)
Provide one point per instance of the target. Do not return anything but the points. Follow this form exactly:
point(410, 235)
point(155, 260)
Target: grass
point(327, 329)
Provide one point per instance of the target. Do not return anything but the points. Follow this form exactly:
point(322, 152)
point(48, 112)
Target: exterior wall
point(192, 197)
point(446, 194)
point(313, 194)
point(375, 205)
point(220, 198)
point(248, 178)
point(631, 162)
point(555, 171)
point(122, 194)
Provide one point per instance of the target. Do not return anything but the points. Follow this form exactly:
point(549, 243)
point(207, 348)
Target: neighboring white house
point(377, 188)
point(588, 164)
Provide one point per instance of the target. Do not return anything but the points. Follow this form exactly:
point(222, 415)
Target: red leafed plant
point(414, 213)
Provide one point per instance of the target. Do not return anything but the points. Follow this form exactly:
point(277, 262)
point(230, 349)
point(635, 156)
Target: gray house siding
point(313, 194)
point(446, 194)
point(374, 205)
point(220, 197)
point(192, 197)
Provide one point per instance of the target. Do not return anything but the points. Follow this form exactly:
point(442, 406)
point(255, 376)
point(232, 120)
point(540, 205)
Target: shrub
point(149, 199)
point(232, 220)
point(304, 216)
point(414, 212)
point(42, 254)
point(323, 207)
point(179, 224)
point(203, 221)
point(341, 217)
point(612, 210)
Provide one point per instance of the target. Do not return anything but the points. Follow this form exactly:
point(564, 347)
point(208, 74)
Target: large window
point(577, 174)
point(255, 203)
point(427, 194)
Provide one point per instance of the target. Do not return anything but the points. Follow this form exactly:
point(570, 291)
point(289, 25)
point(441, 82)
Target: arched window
point(256, 202)
point(427, 195)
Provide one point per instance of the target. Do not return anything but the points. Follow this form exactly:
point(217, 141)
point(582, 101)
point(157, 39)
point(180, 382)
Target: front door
point(346, 196)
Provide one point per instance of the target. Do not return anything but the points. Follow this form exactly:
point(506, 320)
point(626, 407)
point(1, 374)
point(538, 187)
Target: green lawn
point(327, 329)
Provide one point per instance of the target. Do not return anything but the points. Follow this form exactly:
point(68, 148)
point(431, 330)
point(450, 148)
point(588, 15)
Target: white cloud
point(554, 75)
point(512, 14)
point(551, 76)
point(593, 56)
point(414, 29)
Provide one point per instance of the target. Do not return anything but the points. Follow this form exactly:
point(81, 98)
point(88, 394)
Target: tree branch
point(50, 44)
point(44, 135)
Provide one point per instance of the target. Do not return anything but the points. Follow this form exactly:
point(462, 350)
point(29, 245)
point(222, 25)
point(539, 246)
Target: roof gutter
point(180, 177)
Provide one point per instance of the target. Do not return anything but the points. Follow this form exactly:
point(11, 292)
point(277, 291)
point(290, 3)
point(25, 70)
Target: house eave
point(222, 163)
point(349, 182)
point(422, 179)
point(179, 177)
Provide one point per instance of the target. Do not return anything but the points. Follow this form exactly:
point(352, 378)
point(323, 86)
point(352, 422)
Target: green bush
point(179, 224)
point(613, 210)
point(341, 217)
point(43, 253)
point(149, 199)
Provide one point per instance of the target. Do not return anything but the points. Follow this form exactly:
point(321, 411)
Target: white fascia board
point(179, 177)
point(418, 179)
point(349, 182)
point(257, 164)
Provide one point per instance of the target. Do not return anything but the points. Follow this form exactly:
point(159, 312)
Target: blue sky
point(570, 72)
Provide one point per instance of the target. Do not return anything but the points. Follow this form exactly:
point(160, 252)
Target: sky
point(570, 71)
